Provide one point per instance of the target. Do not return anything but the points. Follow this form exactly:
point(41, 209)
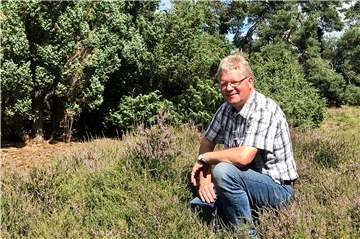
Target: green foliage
point(199, 103)
point(181, 50)
point(186, 56)
point(352, 95)
point(142, 109)
point(15, 110)
point(346, 60)
point(329, 83)
point(299, 25)
point(62, 53)
point(279, 76)
point(93, 55)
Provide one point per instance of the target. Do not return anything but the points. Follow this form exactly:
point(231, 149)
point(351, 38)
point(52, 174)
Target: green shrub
point(279, 76)
point(200, 102)
point(329, 83)
point(352, 95)
point(143, 109)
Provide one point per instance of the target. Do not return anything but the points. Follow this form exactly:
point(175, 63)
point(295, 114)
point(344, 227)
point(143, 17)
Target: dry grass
point(138, 187)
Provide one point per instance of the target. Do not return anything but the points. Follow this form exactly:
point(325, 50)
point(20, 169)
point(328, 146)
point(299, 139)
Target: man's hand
point(207, 192)
point(195, 171)
point(206, 187)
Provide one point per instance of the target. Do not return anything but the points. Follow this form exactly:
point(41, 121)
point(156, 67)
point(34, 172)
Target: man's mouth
point(232, 95)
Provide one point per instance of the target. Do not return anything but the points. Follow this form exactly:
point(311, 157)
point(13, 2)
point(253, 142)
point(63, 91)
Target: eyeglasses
point(223, 84)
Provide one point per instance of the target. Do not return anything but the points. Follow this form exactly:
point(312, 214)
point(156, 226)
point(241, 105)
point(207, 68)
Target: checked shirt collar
point(248, 107)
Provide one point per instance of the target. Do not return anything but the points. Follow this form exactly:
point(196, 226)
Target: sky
point(166, 5)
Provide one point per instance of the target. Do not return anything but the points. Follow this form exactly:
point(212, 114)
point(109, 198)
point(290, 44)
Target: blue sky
point(166, 5)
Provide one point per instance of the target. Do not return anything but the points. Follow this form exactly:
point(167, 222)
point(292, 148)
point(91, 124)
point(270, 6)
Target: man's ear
point(251, 80)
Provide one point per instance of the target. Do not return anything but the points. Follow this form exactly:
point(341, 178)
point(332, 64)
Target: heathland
point(138, 186)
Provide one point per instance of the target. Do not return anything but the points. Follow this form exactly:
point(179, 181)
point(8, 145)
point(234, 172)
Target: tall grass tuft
point(326, 152)
point(152, 151)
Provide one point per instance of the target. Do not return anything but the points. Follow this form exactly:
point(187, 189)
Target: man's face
point(235, 87)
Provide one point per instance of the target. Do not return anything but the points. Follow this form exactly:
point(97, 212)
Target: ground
point(21, 158)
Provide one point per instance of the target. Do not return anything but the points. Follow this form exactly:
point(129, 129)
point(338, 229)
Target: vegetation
point(139, 187)
point(284, 81)
point(108, 66)
point(78, 66)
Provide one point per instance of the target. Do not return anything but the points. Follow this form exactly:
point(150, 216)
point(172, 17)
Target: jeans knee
point(222, 173)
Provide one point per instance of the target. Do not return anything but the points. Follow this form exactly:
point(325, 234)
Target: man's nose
point(229, 87)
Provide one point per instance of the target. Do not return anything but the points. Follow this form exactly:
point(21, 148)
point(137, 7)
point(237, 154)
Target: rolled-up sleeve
point(215, 132)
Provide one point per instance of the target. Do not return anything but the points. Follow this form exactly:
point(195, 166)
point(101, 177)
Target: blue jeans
point(239, 190)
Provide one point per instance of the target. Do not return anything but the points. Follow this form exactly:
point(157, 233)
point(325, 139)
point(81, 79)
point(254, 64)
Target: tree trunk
point(38, 123)
point(57, 115)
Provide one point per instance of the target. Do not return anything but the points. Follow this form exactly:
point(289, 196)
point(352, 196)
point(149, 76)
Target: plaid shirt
point(260, 124)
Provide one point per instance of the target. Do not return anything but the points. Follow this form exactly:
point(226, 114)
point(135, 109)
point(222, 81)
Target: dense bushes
point(94, 55)
point(142, 109)
point(279, 76)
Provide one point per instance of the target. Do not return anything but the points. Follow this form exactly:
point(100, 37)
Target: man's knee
point(224, 173)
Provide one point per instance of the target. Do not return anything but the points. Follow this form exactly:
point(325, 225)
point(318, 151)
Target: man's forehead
point(234, 73)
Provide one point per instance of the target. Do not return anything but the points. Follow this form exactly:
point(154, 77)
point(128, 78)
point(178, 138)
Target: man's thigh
point(261, 189)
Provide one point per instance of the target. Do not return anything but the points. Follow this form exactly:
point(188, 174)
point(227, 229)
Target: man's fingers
point(212, 191)
point(193, 180)
point(208, 194)
point(194, 171)
point(202, 197)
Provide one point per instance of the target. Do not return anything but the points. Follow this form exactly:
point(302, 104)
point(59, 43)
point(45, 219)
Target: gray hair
point(234, 62)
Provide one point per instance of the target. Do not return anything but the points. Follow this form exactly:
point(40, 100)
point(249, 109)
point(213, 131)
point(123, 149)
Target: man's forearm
point(240, 156)
point(206, 146)
point(205, 173)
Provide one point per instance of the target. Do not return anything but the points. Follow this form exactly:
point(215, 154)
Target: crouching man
point(257, 166)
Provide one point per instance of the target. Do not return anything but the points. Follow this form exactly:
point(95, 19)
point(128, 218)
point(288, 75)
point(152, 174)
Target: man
point(257, 167)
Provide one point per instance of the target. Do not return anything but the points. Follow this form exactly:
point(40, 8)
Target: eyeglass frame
point(233, 85)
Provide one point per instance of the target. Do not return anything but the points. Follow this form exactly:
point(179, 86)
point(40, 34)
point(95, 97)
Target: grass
point(138, 187)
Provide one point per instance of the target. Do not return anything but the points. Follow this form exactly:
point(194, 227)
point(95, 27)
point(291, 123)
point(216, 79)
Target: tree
point(346, 56)
point(182, 48)
point(279, 76)
point(301, 25)
point(58, 56)
point(187, 57)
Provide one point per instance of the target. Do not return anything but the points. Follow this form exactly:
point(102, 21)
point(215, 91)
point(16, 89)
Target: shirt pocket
point(238, 141)
point(237, 138)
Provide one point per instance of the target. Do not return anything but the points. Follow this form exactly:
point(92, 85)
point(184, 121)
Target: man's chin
point(236, 103)
point(233, 99)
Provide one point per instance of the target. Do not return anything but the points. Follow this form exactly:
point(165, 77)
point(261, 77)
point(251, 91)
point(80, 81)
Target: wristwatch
point(201, 159)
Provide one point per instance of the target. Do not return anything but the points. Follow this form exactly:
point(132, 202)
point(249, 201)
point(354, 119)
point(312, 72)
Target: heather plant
point(326, 152)
point(110, 189)
point(153, 150)
point(355, 218)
